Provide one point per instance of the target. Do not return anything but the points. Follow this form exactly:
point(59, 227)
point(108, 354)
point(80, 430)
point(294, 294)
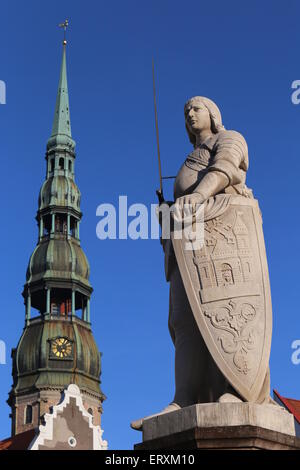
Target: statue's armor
point(225, 152)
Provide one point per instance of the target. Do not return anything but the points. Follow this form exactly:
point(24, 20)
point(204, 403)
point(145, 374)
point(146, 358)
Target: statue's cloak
point(227, 283)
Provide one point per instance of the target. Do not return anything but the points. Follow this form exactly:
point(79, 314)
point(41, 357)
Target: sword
point(159, 191)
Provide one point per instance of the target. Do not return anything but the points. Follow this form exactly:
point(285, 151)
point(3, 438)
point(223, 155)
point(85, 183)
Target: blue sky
point(244, 57)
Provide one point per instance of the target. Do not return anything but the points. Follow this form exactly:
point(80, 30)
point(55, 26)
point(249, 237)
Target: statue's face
point(197, 117)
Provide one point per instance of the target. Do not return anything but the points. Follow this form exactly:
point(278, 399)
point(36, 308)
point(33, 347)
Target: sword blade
point(157, 134)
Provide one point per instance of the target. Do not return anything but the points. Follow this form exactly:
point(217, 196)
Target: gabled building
point(68, 426)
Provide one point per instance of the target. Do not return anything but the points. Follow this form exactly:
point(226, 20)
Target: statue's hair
point(214, 112)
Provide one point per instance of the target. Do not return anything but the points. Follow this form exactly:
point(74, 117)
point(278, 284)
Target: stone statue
point(220, 316)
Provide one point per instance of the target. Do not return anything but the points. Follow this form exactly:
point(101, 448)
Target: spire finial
point(64, 25)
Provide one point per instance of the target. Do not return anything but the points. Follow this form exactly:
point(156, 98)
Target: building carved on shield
point(226, 259)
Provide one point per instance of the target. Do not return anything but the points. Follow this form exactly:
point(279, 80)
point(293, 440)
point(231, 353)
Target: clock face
point(61, 347)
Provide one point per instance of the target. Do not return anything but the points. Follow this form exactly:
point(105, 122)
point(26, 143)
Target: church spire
point(62, 122)
point(61, 135)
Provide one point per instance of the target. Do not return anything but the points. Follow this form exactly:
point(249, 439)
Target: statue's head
point(201, 114)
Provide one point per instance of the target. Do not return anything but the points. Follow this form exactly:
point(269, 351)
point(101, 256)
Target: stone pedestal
point(221, 426)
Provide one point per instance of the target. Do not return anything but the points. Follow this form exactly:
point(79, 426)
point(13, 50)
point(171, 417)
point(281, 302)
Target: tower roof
point(62, 122)
point(61, 129)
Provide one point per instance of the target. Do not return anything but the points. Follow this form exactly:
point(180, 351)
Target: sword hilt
point(160, 196)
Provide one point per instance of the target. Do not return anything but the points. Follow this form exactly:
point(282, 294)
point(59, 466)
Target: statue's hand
point(187, 205)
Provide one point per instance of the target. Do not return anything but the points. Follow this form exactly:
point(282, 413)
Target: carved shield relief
point(227, 284)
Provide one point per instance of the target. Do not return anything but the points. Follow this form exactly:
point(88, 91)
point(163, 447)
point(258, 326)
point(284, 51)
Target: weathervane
point(64, 25)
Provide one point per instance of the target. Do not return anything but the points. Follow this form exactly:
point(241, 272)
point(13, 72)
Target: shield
point(227, 283)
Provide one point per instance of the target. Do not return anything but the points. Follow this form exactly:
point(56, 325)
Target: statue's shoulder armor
point(230, 137)
point(232, 142)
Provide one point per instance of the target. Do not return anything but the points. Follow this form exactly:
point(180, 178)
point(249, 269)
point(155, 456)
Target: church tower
point(57, 347)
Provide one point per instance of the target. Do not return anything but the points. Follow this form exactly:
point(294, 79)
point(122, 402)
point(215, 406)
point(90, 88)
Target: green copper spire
point(62, 123)
point(61, 131)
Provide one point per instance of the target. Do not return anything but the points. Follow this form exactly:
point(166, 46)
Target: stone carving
point(238, 321)
point(227, 294)
point(220, 317)
point(225, 260)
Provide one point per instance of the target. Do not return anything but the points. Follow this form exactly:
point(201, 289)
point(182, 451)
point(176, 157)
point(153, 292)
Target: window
point(52, 165)
point(70, 165)
point(226, 274)
point(58, 224)
point(47, 225)
point(61, 164)
point(90, 411)
point(28, 414)
point(72, 441)
point(55, 309)
point(73, 226)
point(61, 225)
